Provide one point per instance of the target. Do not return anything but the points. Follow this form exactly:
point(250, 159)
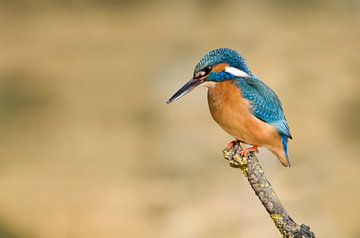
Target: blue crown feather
point(223, 55)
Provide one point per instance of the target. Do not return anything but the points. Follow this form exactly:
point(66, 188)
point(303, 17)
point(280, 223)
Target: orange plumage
point(233, 113)
point(240, 103)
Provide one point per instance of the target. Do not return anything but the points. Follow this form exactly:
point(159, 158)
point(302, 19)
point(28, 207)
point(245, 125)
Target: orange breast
point(233, 113)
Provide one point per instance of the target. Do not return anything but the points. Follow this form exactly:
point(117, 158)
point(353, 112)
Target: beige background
point(88, 147)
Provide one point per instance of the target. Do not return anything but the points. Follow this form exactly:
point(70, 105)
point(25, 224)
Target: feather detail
point(265, 104)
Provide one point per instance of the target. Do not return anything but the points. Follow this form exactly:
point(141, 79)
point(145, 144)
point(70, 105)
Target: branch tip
point(252, 170)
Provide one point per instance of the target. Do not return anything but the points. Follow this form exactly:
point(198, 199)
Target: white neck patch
point(237, 72)
point(209, 84)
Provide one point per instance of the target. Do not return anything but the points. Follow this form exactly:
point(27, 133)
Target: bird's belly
point(233, 120)
point(232, 112)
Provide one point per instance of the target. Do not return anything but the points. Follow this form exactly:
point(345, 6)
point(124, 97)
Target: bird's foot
point(232, 148)
point(247, 151)
point(231, 144)
point(236, 155)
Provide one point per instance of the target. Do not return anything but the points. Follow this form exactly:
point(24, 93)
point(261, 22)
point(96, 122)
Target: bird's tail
point(282, 153)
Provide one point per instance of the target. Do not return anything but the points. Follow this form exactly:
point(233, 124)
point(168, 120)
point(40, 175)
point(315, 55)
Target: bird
point(243, 105)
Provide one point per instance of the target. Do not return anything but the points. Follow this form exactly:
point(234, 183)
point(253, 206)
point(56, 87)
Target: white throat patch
point(209, 84)
point(237, 72)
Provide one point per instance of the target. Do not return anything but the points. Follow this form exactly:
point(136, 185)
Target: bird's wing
point(265, 103)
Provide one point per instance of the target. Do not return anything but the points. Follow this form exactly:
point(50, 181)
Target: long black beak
point(188, 87)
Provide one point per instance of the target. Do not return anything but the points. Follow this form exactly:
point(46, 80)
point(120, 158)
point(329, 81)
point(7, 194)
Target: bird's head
point(216, 66)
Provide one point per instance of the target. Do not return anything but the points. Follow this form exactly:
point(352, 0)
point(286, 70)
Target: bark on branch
point(254, 173)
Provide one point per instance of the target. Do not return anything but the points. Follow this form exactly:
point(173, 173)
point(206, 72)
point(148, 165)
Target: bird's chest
point(230, 110)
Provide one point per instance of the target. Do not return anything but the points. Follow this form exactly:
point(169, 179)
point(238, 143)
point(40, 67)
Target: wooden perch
point(254, 173)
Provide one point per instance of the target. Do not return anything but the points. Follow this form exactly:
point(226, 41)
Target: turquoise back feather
point(265, 103)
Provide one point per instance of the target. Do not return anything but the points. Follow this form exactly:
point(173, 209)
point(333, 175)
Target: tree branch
point(254, 173)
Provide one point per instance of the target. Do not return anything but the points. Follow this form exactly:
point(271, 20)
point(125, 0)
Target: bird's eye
point(207, 69)
point(203, 72)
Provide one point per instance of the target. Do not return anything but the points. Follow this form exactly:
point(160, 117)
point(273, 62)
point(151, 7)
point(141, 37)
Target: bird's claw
point(233, 148)
point(247, 151)
point(232, 144)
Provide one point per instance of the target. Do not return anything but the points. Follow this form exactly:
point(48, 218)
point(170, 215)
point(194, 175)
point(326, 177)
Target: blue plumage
point(222, 55)
point(228, 70)
point(265, 103)
point(284, 141)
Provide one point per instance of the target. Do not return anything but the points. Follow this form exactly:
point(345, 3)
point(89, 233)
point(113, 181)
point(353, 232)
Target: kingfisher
point(243, 105)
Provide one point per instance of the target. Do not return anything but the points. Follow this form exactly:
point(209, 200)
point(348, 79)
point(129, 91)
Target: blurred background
point(88, 147)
